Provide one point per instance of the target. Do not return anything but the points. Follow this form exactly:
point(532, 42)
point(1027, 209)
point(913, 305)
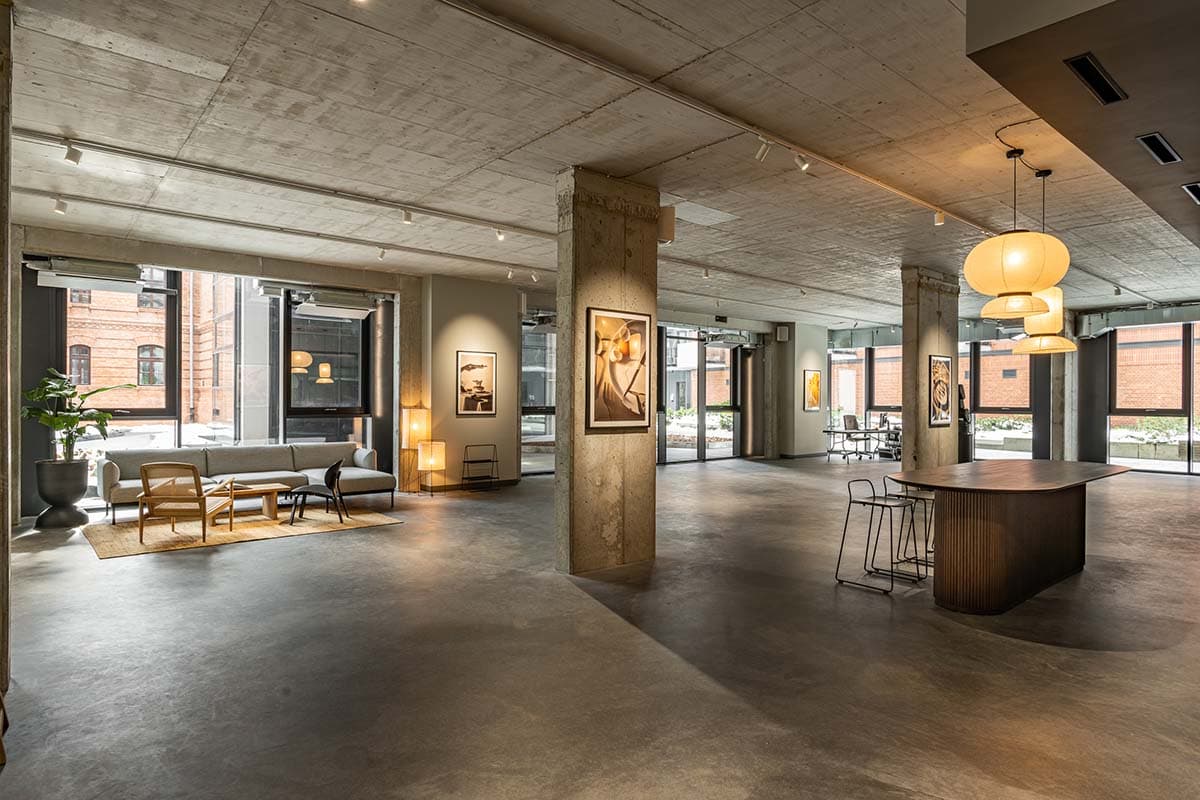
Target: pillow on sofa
point(319, 455)
point(130, 461)
point(241, 460)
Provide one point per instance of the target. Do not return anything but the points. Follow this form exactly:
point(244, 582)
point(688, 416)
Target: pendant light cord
point(1014, 194)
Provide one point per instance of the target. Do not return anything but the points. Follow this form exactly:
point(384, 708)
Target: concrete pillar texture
point(930, 328)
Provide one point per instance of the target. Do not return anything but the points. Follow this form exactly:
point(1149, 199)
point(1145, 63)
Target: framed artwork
point(618, 369)
point(939, 391)
point(812, 390)
point(476, 384)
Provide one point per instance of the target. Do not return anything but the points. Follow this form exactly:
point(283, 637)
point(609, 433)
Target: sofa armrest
point(107, 475)
point(365, 458)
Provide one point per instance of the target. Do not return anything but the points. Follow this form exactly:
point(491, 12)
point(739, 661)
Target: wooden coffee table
point(269, 492)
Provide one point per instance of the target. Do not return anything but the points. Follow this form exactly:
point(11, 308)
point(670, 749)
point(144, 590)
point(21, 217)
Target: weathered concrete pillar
point(1064, 406)
point(7, 343)
point(930, 328)
point(604, 482)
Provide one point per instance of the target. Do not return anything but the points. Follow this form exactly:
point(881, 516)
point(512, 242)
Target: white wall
point(473, 315)
point(799, 430)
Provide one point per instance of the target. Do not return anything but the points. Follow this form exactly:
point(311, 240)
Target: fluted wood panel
point(996, 550)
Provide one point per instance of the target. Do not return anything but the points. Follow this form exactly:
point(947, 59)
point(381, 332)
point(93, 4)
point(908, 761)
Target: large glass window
point(328, 361)
point(538, 358)
point(720, 398)
point(847, 382)
point(680, 393)
point(1002, 401)
point(1148, 425)
point(887, 377)
point(964, 375)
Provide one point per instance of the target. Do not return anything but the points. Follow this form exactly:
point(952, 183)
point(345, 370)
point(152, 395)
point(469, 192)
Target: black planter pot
point(62, 484)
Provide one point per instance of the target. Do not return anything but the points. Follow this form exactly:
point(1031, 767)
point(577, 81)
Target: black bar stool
point(925, 499)
point(871, 500)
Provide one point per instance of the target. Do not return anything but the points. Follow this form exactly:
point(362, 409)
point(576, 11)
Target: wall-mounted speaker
point(781, 333)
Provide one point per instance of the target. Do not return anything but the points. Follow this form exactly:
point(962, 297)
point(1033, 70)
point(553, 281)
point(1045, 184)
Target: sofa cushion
point(127, 490)
point(355, 479)
point(130, 461)
point(287, 477)
point(243, 460)
point(322, 454)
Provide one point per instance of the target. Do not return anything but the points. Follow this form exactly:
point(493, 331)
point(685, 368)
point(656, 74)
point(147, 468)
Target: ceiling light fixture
point(1045, 330)
point(1012, 266)
point(802, 162)
point(1116, 291)
point(499, 235)
point(509, 276)
point(382, 253)
point(534, 276)
point(407, 217)
point(60, 206)
point(706, 275)
point(763, 148)
point(74, 154)
point(939, 218)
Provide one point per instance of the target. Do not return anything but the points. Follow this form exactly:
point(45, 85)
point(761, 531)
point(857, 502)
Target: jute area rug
point(114, 541)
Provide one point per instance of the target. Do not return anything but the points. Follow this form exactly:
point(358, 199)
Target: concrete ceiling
point(419, 102)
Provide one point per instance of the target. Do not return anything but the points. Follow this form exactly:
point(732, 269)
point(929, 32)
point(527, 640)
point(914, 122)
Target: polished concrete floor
point(445, 658)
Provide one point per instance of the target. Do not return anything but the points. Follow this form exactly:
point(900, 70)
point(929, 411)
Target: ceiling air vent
point(1193, 190)
point(1160, 148)
point(1096, 78)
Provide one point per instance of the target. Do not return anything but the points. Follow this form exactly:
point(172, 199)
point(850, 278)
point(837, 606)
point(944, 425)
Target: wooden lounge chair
point(172, 490)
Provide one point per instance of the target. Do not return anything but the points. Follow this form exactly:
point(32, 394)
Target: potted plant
point(60, 407)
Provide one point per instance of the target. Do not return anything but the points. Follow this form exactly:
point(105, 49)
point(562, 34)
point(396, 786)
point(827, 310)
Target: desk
point(836, 446)
point(1006, 530)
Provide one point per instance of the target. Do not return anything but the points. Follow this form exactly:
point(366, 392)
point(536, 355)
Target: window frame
point(869, 385)
point(86, 355)
point(1186, 344)
point(79, 297)
point(160, 358)
point(976, 379)
point(363, 410)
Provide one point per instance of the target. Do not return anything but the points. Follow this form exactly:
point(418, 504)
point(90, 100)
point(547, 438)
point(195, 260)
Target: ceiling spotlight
point(382, 253)
point(706, 275)
point(763, 149)
point(856, 324)
point(939, 218)
point(74, 154)
point(1117, 291)
point(802, 162)
point(499, 235)
point(534, 276)
point(509, 275)
point(893, 329)
point(407, 218)
point(968, 323)
point(60, 206)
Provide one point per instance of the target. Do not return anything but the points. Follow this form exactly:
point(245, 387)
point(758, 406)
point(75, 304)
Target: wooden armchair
point(173, 491)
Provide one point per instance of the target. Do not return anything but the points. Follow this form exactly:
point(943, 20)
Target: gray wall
point(473, 315)
point(799, 430)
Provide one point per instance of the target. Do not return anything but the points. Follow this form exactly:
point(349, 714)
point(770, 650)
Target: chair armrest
point(107, 475)
point(225, 486)
point(365, 458)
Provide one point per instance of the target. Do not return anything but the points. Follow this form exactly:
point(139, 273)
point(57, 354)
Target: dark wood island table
point(1006, 530)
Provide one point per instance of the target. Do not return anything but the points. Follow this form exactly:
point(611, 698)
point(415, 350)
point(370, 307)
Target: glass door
point(720, 402)
point(680, 395)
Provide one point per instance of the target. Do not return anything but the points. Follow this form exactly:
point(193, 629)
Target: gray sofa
point(119, 476)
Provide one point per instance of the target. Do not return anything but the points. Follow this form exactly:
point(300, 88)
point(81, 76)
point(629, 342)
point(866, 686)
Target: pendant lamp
point(301, 361)
point(1045, 330)
point(1014, 266)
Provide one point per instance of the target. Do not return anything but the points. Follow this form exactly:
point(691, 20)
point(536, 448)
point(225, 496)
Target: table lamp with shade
point(431, 458)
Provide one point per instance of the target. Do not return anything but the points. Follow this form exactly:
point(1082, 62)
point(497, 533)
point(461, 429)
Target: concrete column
point(1064, 406)
point(607, 258)
point(930, 328)
point(7, 343)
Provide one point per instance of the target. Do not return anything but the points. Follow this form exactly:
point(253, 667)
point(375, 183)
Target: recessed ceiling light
point(60, 206)
point(74, 154)
point(407, 218)
point(499, 235)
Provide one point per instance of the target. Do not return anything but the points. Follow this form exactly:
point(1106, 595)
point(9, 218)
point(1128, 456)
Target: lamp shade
point(1050, 322)
point(1018, 262)
point(1014, 306)
point(1044, 345)
point(301, 361)
point(324, 372)
point(431, 455)
point(414, 427)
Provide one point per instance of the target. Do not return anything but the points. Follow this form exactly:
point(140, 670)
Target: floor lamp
point(431, 458)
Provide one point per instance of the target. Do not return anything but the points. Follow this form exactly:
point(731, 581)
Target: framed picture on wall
point(812, 390)
point(476, 384)
point(618, 369)
point(939, 391)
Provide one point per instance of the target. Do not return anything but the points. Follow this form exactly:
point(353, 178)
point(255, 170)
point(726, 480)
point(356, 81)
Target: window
point(538, 364)
point(1008, 373)
point(330, 376)
point(216, 370)
point(1148, 424)
point(847, 379)
point(887, 376)
point(151, 365)
point(964, 375)
point(80, 364)
point(153, 278)
point(1002, 401)
point(81, 296)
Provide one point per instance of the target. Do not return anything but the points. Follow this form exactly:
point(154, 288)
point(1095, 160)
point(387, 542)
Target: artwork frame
point(477, 399)
point(940, 370)
point(618, 385)
point(812, 390)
